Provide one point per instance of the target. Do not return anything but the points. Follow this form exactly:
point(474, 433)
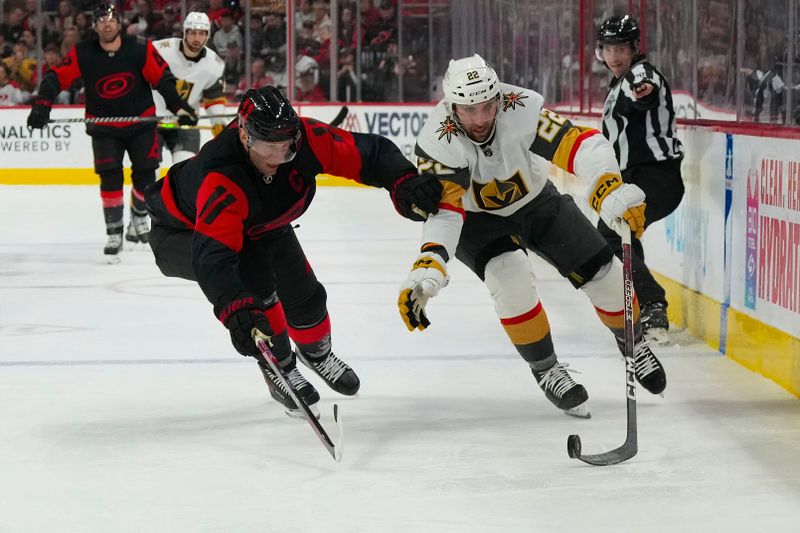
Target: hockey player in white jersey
point(198, 71)
point(492, 146)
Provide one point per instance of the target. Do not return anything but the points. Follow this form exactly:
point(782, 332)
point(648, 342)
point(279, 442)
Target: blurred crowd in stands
point(66, 22)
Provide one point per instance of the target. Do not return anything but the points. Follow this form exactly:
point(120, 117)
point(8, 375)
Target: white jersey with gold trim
point(508, 171)
point(198, 82)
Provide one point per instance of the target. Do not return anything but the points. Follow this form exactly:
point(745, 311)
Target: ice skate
point(138, 229)
point(303, 388)
point(337, 374)
point(561, 389)
point(655, 323)
point(649, 371)
point(113, 247)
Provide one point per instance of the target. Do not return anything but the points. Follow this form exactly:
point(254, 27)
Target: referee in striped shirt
point(639, 120)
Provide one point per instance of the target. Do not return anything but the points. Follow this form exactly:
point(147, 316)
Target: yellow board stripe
point(762, 348)
point(86, 176)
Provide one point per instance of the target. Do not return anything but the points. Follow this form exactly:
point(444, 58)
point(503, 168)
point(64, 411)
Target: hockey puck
point(574, 446)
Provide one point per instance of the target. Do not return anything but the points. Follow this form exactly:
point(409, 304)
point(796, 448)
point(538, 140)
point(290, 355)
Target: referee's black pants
point(663, 188)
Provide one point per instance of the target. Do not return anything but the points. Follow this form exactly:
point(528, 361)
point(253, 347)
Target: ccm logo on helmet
point(476, 93)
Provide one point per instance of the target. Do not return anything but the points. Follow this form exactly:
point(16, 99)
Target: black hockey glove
point(40, 114)
point(416, 196)
point(186, 114)
point(240, 316)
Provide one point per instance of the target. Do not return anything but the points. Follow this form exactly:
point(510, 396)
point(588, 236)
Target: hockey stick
point(173, 126)
point(103, 120)
point(630, 446)
point(339, 118)
point(334, 449)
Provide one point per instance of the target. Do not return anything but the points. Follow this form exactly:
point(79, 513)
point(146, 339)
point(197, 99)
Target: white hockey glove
point(427, 276)
point(615, 201)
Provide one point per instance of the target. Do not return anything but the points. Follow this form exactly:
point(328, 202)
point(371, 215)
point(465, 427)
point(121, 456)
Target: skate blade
point(298, 414)
point(657, 336)
point(580, 411)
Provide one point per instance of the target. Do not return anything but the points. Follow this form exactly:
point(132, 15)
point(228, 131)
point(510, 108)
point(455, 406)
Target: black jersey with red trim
point(225, 200)
point(117, 84)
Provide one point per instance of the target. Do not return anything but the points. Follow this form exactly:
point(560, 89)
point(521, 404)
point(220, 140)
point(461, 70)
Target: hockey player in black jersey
point(639, 120)
point(118, 73)
point(224, 219)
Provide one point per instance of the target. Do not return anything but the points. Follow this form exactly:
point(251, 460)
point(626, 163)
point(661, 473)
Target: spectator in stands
point(227, 34)
point(306, 44)
point(258, 78)
point(29, 39)
point(12, 30)
point(215, 11)
point(234, 67)
point(274, 40)
point(386, 82)
point(10, 94)
point(386, 30)
point(5, 47)
point(306, 76)
point(83, 25)
point(143, 20)
point(322, 21)
point(276, 69)
point(71, 37)
point(52, 59)
point(347, 81)
point(370, 16)
point(303, 14)
point(64, 17)
point(170, 23)
point(257, 33)
point(347, 28)
point(22, 68)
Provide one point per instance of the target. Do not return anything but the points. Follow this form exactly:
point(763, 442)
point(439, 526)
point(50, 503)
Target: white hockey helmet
point(469, 81)
point(197, 21)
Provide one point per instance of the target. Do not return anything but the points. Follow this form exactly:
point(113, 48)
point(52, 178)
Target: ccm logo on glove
point(606, 184)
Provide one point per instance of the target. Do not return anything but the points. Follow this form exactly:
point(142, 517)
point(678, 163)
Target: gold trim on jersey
point(452, 194)
point(498, 194)
point(566, 144)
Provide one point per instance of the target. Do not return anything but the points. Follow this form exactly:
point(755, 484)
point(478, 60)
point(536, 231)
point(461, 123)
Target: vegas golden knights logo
point(499, 194)
point(184, 88)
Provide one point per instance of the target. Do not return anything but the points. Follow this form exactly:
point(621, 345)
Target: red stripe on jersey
point(582, 137)
point(154, 65)
point(69, 70)
point(312, 334)
point(524, 317)
point(450, 207)
point(335, 149)
point(276, 318)
point(225, 225)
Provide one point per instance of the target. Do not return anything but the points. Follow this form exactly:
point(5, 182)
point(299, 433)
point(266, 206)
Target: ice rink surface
point(123, 407)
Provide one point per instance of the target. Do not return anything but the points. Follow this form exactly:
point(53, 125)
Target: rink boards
point(729, 256)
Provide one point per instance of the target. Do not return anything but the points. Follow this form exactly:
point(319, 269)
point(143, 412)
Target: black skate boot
point(138, 229)
point(655, 323)
point(649, 371)
point(337, 374)
point(304, 389)
point(113, 247)
point(560, 389)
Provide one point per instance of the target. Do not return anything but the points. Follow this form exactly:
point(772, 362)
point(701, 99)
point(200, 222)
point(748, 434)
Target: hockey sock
point(111, 196)
point(280, 336)
point(314, 341)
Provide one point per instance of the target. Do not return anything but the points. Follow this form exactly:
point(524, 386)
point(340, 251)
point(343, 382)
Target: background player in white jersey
point(491, 145)
point(198, 70)
point(639, 120)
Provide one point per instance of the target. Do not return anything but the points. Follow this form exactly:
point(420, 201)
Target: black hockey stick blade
point(340, 116)
point(630, 446)
point(335, 450)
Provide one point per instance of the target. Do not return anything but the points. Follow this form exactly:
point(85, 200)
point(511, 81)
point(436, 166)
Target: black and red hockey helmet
point(618, 30)
point(106, 10)
point(267, 115)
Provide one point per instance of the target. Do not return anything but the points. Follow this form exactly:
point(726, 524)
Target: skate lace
point(296, 379)
point(331, 368)
point(557, 379)
point(645, 363)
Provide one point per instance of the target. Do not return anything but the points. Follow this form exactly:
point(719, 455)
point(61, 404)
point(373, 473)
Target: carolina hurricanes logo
point(449, 129)
point(512, 99)
point(114, 85)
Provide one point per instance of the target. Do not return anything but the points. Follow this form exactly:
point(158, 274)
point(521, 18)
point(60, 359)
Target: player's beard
point(108, 37)
point(191, 48)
